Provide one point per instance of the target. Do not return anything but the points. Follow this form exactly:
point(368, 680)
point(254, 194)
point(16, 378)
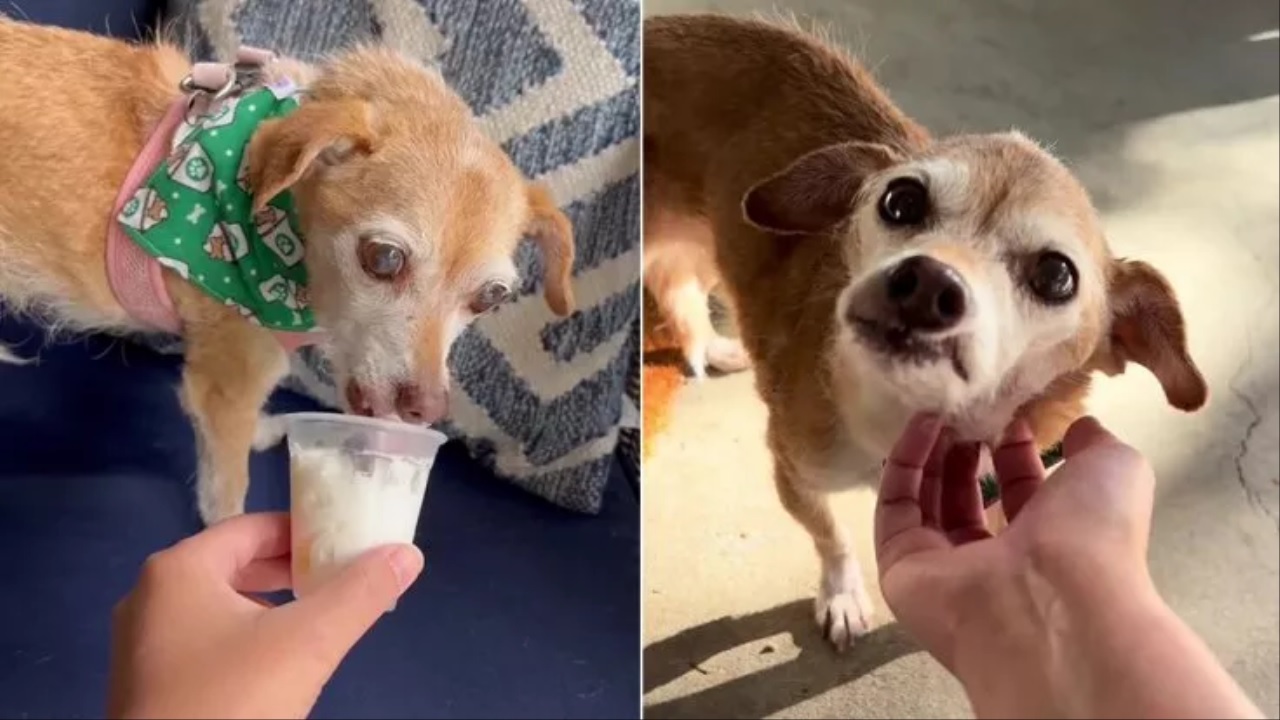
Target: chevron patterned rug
point(542, 401)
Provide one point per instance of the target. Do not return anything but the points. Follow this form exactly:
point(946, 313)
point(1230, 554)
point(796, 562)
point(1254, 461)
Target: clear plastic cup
point(355, 483)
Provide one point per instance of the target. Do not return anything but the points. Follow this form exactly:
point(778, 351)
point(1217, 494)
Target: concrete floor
point(1169, 111)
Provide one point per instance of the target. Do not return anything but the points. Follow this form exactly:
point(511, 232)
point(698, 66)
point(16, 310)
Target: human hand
point(986, 607)
point(187, 643)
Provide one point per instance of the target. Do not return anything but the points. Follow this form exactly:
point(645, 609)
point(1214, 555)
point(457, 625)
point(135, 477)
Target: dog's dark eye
point(489, 297)
point(380, 259)
point(1053, 278)
point(905, 202)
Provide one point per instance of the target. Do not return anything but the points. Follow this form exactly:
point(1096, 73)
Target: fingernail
point(406, 563)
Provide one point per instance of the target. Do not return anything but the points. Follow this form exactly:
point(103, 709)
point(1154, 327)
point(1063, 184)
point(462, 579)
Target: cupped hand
point(189, 642)
point(968, 596)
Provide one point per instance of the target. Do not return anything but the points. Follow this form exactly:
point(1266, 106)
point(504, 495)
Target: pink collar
point(136, 278)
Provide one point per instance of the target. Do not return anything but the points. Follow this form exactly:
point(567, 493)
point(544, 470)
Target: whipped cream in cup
point(355, 483)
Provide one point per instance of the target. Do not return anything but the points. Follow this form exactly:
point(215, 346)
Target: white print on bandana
point(223, 114)
point(272, 224)
point(145, 210)
point(227, 242)
point(190, 165)
point(177, 266)
point(282, 290)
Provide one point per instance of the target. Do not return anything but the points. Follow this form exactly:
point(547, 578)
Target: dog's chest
point(844, 468)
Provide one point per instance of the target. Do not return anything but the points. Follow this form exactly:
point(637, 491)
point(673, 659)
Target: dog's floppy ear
point(1147, 328)
point(553, 233)
point(817, 191)
point(316, 134)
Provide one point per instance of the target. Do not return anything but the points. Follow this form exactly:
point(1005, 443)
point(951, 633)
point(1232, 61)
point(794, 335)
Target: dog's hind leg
point(683, 304)
point(842, 608)
point(231, 368)
point(679, 271)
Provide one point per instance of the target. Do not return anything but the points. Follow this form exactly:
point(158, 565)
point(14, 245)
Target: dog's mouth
point(903, 344)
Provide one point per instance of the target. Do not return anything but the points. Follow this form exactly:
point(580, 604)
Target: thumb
point(1084, 434)
point(343, 609)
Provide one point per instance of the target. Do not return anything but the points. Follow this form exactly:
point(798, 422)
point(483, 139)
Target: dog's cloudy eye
point(381, 260)
point(905, 202)
point(489, 297)
point(1053, 278)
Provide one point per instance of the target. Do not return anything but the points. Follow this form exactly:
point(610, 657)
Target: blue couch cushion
point(525, 610)
point(128, 19)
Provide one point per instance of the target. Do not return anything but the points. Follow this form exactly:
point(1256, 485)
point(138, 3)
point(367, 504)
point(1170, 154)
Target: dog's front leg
point(842, 609)
point(231, 368)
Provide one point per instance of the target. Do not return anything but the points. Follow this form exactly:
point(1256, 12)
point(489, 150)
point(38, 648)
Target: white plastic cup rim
point(387, 436)
point(385, 425)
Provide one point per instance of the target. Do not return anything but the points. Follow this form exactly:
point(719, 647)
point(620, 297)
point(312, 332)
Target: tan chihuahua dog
point(409, 217)
point(878, 272)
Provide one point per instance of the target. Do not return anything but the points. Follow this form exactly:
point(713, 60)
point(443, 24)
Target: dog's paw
point(843, 609)
point(727, 355)
point(268, 433)
point(843, 617)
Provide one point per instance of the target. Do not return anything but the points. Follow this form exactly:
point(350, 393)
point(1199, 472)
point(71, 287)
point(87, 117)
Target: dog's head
point(980, 274)
point(411, 217)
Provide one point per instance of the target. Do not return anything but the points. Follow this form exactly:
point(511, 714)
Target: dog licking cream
point(379, 220)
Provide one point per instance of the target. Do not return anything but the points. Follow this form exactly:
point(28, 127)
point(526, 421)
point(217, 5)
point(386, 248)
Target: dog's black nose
point(926, 294)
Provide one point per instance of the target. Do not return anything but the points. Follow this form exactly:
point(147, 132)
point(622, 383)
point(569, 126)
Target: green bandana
point(194, 215)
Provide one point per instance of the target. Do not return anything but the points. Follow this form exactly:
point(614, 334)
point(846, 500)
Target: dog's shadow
point(817, 668)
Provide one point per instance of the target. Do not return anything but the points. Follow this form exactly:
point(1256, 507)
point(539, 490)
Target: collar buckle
point(209, 83)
